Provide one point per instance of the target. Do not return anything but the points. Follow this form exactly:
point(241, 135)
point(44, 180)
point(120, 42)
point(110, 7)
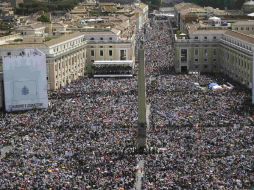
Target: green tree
point(44, 18)
point(89, 70)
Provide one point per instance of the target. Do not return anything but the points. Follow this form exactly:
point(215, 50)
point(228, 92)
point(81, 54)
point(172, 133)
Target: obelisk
point(142, 125)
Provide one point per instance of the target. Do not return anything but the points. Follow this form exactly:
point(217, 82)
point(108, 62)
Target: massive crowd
point(157, 40)
point(82, 141)
point(203, 139)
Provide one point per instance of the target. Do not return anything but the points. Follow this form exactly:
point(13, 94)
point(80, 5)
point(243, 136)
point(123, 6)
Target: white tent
point(251, 14)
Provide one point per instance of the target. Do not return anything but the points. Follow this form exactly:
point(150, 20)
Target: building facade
point(107, 45)
point(237, 57)
point(199, 53)
point(207, 47)
point(65, 57)
point(227, 52)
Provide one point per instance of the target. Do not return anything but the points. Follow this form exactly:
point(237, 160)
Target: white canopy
point(251, 14)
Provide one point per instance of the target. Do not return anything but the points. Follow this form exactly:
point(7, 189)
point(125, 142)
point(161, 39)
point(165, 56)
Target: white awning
point(112, 76)
point(114, 62)
point(251, 14)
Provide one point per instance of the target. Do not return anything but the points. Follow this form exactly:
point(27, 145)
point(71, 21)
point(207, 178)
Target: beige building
point(237, 57)
point(36, 29)
point(108, 46)
point(244, 26)
point(141, 14)
point(206, 47)
point(66, 58)
point(43, 29)
point(199, 52)
point(188, 12)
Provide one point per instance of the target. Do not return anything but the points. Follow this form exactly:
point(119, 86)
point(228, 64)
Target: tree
point(89, 70)
point(44, 18)
point(32, 6)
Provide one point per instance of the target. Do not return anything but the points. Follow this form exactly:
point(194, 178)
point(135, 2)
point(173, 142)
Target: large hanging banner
point(25, 80)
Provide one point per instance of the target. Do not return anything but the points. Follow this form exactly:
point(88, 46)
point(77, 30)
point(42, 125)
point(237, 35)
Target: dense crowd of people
point(81, 141)
point(201, 139)
point(157, 40)
point(204, 138)
point(115, 70)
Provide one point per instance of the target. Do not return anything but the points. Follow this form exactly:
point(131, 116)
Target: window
point(196, 37)
point(196, 51)
point(110, 53)
point(92, 52)
point(101, 52)
point(205, 38)
point(183, 55)
point(92, 38)
point(101, 38)
point(206, 52)
point(122, 54)
point(110, 38)
point(214, 51)
point(205, 59)
point(214, 60)
point(196, 60)
point(214, 37)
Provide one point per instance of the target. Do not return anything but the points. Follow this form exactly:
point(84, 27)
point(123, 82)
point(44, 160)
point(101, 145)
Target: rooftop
point(241, 36)
point(209, 32)
point(244, 22)
point(63, 38)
